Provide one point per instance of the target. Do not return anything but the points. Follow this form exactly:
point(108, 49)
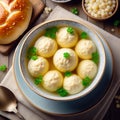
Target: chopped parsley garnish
point(32, 51)
point(62, 92)
point(95, 57)
point(66, 55)
point(35, 57)
point(38, 80)
point(86, 81)
point(3, 68)
point(70, 30)
point(75, 11)
point(83, 35)
point(68, 74)
point(116, 23)
point(51, 32)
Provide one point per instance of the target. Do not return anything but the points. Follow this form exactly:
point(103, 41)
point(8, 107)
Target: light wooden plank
point(98, 23)
point(50, 4)
point(11, 56)
point(109, 27)
point(82, 14)
point(3, 60)
point(118, 33)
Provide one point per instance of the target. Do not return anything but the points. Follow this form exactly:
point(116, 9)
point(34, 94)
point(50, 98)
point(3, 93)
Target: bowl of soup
point(62, 59)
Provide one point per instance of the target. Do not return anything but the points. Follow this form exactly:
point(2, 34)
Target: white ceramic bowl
point(61, 1)
point(30, 37)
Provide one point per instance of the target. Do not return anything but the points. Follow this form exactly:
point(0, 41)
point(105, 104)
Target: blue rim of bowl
point(85, 91)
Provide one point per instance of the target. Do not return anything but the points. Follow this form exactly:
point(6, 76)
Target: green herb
point(95, 57)
point(75, 11)
point(51, 32)
point(35, 57)
point(86, 81)
point(3, 68)
point(62, 92)
point(83, 35)
point(116, 23)
point(67, 74)
point(66, 55)
point(32, 51)
point(38, 80)
point(70, 30)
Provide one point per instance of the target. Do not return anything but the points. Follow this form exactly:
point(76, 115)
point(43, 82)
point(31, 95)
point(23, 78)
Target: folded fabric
point(28, 111)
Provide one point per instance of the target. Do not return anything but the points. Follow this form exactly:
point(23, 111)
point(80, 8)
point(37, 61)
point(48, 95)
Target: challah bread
point(15, 16)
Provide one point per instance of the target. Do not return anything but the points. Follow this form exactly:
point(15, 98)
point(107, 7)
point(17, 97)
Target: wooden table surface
point(106, 25)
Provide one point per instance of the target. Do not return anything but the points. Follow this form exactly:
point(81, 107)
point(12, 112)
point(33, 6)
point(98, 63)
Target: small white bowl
point(29, 38)
point(61, 1)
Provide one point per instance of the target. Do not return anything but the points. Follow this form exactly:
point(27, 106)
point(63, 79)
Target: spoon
point(8, 102)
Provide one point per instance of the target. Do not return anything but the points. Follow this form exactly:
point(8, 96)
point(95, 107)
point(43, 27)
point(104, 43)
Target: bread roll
point(15, 16)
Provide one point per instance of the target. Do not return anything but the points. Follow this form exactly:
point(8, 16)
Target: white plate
point(70, 107)
point(61, 1)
